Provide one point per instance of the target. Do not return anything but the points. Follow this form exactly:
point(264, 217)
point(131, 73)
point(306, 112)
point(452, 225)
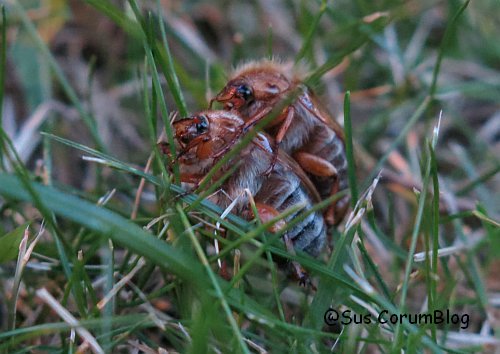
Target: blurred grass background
point(102, 78)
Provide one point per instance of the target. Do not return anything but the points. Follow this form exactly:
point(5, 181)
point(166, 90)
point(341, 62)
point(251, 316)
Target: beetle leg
point(298, 272)
point(314, 165)
point(266, 213)
point(192, 178)
point(335, 212)
point(320, 167)
point(256, 118)
point(286, 117)
point(210, 104)
point(223, 271)
point(164, 147)
point(230, 144)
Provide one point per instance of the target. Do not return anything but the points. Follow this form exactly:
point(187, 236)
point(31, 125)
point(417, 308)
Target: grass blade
point(105, 222)
point(349, 149)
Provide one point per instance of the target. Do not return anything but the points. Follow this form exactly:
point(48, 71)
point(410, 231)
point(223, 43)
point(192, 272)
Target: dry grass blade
point(45, 296)
point(120, 284)
point(363, 204)
point(24, 255)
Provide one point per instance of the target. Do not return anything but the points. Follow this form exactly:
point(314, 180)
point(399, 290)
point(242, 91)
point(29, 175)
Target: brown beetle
point(204, 136)
point(303, 129)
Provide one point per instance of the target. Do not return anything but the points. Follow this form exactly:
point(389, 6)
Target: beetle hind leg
point(314, 165)
point(335, 212)
point(298, 272)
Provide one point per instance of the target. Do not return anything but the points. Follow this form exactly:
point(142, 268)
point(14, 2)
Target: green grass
point(405, 67)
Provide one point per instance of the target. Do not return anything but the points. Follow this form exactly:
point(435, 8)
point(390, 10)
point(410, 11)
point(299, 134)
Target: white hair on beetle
point(293, 72)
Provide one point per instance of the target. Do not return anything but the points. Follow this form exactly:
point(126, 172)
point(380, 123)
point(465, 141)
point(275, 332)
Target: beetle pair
point(300, 157)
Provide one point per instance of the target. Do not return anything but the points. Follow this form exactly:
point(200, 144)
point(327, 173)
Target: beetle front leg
point(286, 117)
point(229, 145)
point(192, 178)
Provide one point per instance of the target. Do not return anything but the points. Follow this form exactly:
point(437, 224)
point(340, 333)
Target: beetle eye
point(202, 125)
point(244, 92)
